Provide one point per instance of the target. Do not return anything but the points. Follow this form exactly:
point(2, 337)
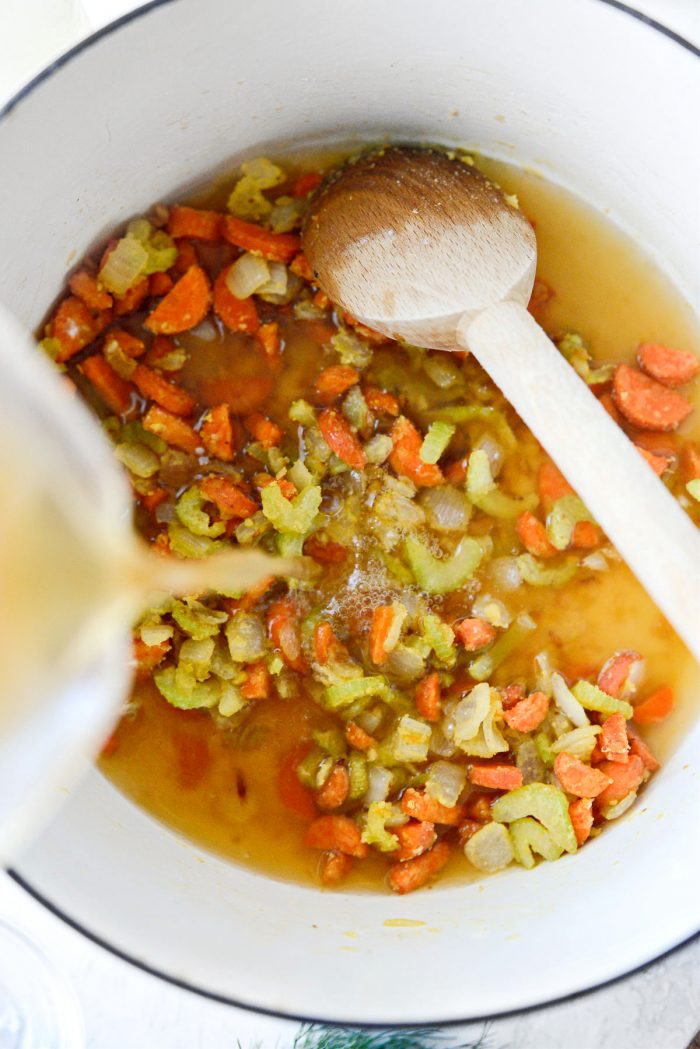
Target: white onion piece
point(380, 780)
point(505, 573)
point(490, 849)
point(492, 610)
point(246, 275)
point(611, 812)
point(205, 331)
point(567, 702)
point(447, 508)
point(493, 451)
point(445, 782)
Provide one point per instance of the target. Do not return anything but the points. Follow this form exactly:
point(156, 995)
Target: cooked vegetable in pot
point(469, 670)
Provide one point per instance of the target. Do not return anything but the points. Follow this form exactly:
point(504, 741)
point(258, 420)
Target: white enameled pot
point(594, 98)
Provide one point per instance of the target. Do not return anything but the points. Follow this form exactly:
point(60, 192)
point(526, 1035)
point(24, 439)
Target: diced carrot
point(428, 701)
point(283, 624)
point(358, 738)
point(382, 620)
point(466, 830)
point(368, 334)
point(639, 747)
point(335, 867)
point(161, 544)
point(335, 380)
point(340, 438)
point(217, 433)
point(326, 644)
point(623, 779)
point(327, 553)
point(300, 266)
point(474, 633)
point(75, 326)
point(645, 402)
point(655, 707)
point(193, 760)
point(237, 314)
point(541, 294)
point(381, 401)
point(405, 455)
point(533, 535)
point(613, 740)
point(228, 497)
point(111, 745)
point(666, 365)
point(609, 405)
point(161, 346)
point(129, 344)
point(150, 500)
point(689, 461)
point(159, 284)
point(581, 816)
point(421, 806)
point(338, 834)
point(413, 874)
point(293, 794)
point(252, 597)
point(552, 484)
point(415, 838)
point(113, 390)
point(615, 671)
point(279, 247)
point(320, 299)
point(148, 657)
point(579, 779)
point(167, 394)
point(478, 807)
point(172, 429)
point(512, 694)
point(194, 222)
point(496, 777)
point(257, 682)
point(267, 433)
point(185, 305)
point(658, 463)
point(132, 299)
point(456, 471)
point(270, 342)
point(585, 536)
point(335, 790)
point(286, 487)
point(85, 286)
point(306, 183)
point(186, 257)
point(528, 714)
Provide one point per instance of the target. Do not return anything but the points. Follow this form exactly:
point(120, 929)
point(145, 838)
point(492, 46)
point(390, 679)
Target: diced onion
point(493, 450)
point(490, 849)
point(445, 782)
point(380, 780)
point(505, 573)
point(447, 508)
point(247, 274)
point(567, 702)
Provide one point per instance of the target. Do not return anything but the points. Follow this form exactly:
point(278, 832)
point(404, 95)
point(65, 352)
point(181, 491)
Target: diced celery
point(693, 488)
point(291, 515)
point(51, 347)
point(345, 692)
point(441, 638)
point(546, 803)
point(247, 640)
point(396, 568)
point(529, 836)
point(307, 769)
point(206, 694)
point(154, 632)
point(484, 665)
point(246, 200)
point(139, 459)
point(536, 573)
point(331, 741)
point(301, 412)
point(161, 250)
point(190, 513)
point(375, 832)
point(359, 777)
point(436, 440)
point(185, 544)
point(492, 418)
point(562, 519)
point(490, 849)
point(572, 346)
point(544, 748)
point(442, 369)
point(482, 490)
point(593, 698)
point(355, 408)
point(443, 575)
point(351, 349)
point(119, 361)
point(196, 620)
point(479, 479)
point(252, 529)
point(300, 476)
point(289, 545)
point(125, 266)
point(263, 172)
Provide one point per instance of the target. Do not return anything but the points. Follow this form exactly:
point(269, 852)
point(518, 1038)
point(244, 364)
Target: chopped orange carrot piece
point(75, 326)
point(286, 487)
point(327, 553)
point(320, 299)
point(172, 429)
point(613, 740)
point(609, 405)
point(533, 535)
point(114, 391)
point(552, 484)
point(579, 779)
point(279, 247)
point(228, 498)
point(326, 644)
point(474, 633)
point(496, 777)
point(478, 807)
point(335, 867)
point(428, 703)
point(655, 707)
point(253, 596)
point(689, 461)
point(132, 299)
point(306, 183)
point(615, 672)
point(237, 314)
point(335, 790)
point(340, 439)
point(194, 222)
point(405, 455)
point(167, 394)
point(421, 806)
point(86, 287)
point(412, 874)
point(415, 838)
point(338, 834)
point(335, 380)
point(666, 365)
point(467, 829)
point(270, 342)
point(111, 745)
point(150, 500)
point(147, 657)
point(358, 738)
point(645, 402)
point(381, 402)
point(623, 779)
point(161, 346)
point(639, 747)
point(159, 284)
point(585, 536)
point(129, 344)
point(293, 794)
point(257, 682)
point(528, 714)
point(456, 471)
point(300, 266)
point(512, 694)
point(186, 257)
point(269, 434)
point(217, 433)
point(283, 624)
point(368, 334)
point(382, 620)
point(658, 463)
point(581, 816)
point(184, 306)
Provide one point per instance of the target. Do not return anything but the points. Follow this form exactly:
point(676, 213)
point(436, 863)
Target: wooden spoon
point(421, 247)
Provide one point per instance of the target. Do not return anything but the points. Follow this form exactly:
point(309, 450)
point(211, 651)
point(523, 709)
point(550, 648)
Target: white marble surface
point(124, 1008)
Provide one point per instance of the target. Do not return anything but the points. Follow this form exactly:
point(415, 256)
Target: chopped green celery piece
point(331, 741)
point(573, 348)
point(359, 777)
point(536, 573)
point(375, 832)
point(337, 466)
point(593, 698)
point(351, 349)
point(275, 664)
point(263, 172)
point(378, 448)
point(307, 769)
point(204, 694)
point(134, 433)
point(443, 575)
point(51, 347)
point(693, 488)
point(562, 518)
point(291, 515)
point(396, 568)
point(436, 440)
point(529, 836)
point(276, 460)
point(546, 803)
point(299, 476)
point(441, 638)
point(490, 417)
point(410, 740)
point(246, 200)
point(484, 665)
point(479, 477)
point(161, 249)
point(196, 619)
point(231, 701)
point(301, 412)
point(246, 636)
point(124, 266)
point(544, 748)
point(185, 544)
point(483, 492)
point(120, 362)
point(139, 459)
point(290, 545)
point(355, 409)
point(252, 529)
point(190, 513)
point(345, 692)
point(490, 849)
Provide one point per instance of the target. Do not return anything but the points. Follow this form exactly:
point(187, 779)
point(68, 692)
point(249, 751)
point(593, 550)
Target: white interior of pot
point(593, 99)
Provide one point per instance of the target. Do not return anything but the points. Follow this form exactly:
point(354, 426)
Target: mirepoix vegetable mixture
point(416, 699)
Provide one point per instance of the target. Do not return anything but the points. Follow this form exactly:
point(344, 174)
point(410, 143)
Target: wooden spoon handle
point(639, 515)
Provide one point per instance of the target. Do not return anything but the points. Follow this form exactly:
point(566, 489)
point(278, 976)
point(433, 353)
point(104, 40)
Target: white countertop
point(121, 1007)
